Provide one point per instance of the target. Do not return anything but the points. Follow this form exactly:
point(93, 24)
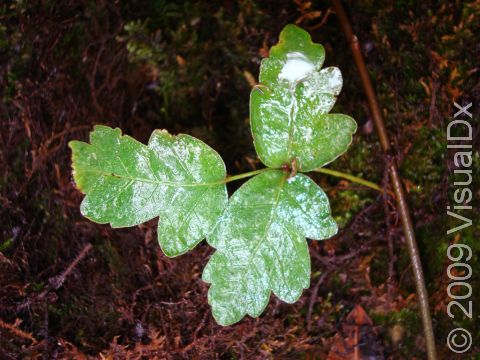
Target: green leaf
point(261, 246)
point(178, 178)
point(289, 109)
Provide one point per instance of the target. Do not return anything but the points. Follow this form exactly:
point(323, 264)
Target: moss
point(378, 266)
point(424, 167)
point(409, 321)
point(6, 244)
point(346, 204)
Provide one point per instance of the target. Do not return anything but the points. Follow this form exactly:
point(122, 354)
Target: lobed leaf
point(260, 244)
point(178, 178)
point(260, 233)
point(289, 109)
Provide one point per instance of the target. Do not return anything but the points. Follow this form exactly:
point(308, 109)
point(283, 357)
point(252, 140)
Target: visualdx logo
point(459, 137)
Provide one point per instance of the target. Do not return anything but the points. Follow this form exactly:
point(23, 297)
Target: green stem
point(349, 177)
point(247, 174)
point(335, 173)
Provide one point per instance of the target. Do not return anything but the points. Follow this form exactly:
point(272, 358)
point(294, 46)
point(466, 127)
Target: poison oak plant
point(259, 233)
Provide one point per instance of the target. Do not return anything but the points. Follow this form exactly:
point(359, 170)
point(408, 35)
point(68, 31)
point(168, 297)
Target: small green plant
point(259, 233)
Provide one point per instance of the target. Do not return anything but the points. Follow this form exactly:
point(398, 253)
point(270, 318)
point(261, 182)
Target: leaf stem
point(247, 174)
point(335, 173)
point(349, 177)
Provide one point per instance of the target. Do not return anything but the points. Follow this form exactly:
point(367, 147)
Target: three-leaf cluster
point(259, 233)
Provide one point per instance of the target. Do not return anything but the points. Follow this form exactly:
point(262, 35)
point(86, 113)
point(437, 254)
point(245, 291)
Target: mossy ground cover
point(189, 67)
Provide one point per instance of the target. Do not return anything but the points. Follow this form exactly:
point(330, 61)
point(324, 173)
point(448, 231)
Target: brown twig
point(16, 331)
point(394, 177)
point(313, 297)
point(322, 22)
point(391, 250)
point(56, 282)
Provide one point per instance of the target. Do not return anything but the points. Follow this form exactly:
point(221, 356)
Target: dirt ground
point(72, 289)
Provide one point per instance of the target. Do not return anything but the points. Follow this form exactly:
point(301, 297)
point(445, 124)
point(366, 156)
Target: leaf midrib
point(150, 181)
point(291, 121)
point(270, 220)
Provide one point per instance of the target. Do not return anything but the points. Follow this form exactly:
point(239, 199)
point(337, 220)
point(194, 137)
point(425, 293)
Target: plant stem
point(247, 174)
point(395, 178)
point(335, 173)
point(349, 177)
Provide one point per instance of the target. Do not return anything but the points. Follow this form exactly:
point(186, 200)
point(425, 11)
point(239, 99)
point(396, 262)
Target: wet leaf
point(261, 245)
point(178, 178)
point(289, 110)
point(260, 234)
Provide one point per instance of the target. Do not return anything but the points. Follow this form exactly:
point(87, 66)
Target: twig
point(394, 177)
point(56, 282)
point(313, 297)
point(16, 331)
point(391, 251)
point(322, 22)
point(200, 326)
point(432, 103)
point(46, 332)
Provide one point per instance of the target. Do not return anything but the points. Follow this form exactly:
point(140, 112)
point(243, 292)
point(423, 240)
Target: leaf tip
point(295, 39)
point(160, 134)
point(292, 32)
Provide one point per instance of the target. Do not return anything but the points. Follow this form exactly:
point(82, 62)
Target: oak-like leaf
point(180, 179)
point(260, 244)
point(289, 109)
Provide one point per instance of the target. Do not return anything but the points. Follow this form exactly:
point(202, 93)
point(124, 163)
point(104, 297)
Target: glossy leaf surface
point(261, 245)
point(289, 110)
point(260, 233)
point(178, 178)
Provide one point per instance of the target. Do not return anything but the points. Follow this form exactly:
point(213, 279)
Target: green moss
point(5, 245)
point(347, 204)
point(409, 320)
point(424, 167)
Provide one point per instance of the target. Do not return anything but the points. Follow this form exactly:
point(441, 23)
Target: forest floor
point(70, 288)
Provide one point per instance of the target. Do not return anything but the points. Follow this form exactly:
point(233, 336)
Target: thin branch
point(391, 249)
point(58, 281)
point(313, 297)
point(394, 177)
point(55, 282)
point(14, 330)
